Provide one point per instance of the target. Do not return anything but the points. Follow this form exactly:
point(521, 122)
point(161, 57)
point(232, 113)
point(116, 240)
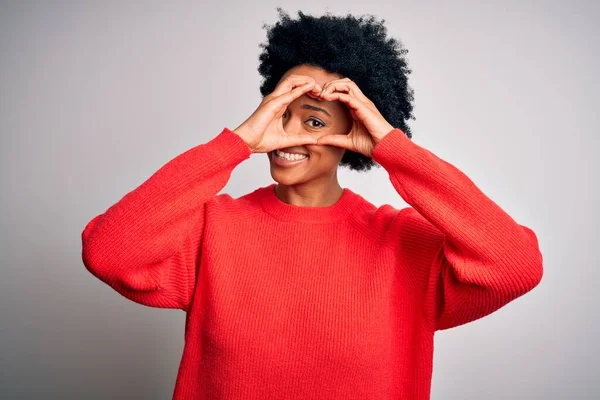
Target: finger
point(359, 111)
point(336, 140)
point(345, 86)
point(285, 99)
point(278, 104)
point(315, 93)
point(352, 102)
point(328, 84)
point(287, 85)
point(337, 85)
point(290, 83)
point(356, 90)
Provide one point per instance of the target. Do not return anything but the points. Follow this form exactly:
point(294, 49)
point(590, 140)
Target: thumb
point(298, 140)
point(336, 140)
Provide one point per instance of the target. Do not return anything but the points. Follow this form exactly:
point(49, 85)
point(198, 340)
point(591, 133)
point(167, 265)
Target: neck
point(310, 194)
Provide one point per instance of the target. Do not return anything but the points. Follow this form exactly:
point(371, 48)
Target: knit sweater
point(291, 302)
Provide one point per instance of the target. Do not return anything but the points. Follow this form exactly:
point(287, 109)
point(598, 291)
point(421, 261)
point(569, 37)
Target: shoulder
point(393, 226)
point(415, 230)
point(227, 206)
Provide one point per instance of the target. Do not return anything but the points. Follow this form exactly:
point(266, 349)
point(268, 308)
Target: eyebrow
point(314, 108)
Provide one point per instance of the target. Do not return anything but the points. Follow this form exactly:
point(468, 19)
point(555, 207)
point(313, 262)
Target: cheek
point(334, 153)
point(327, 156)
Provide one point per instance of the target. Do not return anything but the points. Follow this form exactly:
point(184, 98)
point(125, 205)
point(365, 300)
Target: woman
point(303, 289)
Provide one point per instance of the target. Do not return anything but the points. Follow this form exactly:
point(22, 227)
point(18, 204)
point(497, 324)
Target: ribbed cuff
point(391, 147)
point(230, 146)
point(222, 153)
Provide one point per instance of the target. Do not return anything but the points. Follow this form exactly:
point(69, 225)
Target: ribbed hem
point(288, 212)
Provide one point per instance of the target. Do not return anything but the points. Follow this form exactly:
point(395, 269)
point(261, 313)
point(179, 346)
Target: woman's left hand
point(368, 125)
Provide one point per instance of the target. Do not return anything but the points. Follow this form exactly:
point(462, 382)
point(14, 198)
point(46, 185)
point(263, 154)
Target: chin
point(285, 178)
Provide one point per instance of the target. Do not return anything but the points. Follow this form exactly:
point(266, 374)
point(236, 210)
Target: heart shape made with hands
point(369, 127)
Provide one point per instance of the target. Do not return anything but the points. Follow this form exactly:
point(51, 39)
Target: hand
point(368, 126)
point(263, 130)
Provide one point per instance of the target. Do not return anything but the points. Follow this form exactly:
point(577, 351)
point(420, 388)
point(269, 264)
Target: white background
point(96, 96)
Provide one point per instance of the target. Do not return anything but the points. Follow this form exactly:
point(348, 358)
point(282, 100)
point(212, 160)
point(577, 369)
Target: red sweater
point(289, 302)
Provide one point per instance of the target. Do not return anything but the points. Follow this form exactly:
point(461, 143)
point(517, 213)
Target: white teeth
point(289, 156)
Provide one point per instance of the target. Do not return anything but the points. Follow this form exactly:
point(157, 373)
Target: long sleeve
point(147, 245)
point(483, 258)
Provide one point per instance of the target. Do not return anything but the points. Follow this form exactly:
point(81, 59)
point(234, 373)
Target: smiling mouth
point(282, 159)
point(289, 156)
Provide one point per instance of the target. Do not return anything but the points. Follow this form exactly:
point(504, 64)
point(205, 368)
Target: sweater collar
point(288, 212)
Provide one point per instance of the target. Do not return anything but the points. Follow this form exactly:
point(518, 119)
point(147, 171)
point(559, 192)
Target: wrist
point(242, 132)
point(378, 138)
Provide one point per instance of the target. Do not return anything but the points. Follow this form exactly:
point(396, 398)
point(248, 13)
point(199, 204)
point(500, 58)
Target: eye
point(320, 124)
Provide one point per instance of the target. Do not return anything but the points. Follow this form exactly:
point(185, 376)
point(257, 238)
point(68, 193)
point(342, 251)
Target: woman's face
point(307, 115)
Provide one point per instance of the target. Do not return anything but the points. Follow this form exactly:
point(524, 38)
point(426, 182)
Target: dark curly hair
point(353, 47)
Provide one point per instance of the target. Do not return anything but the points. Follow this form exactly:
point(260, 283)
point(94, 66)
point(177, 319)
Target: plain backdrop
point(96, 96)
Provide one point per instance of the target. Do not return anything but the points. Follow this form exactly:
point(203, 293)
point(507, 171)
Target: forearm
point(493, 258)
point(149, 223)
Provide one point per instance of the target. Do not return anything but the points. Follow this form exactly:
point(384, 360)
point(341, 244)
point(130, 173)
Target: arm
point(483, 259)
point(147, 245)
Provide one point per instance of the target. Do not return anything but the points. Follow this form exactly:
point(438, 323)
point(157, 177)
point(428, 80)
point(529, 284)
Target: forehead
point(319, 75)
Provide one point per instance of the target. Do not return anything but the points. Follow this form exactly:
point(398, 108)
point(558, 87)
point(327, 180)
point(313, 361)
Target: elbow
point(533, 262)
point(92, 254)
point(535, 271)
point(92, 258)
point(103, 259)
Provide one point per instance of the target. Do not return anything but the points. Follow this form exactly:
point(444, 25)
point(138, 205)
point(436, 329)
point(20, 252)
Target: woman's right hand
point(263, 130)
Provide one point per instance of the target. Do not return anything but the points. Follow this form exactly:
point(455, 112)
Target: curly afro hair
point(353, 47)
